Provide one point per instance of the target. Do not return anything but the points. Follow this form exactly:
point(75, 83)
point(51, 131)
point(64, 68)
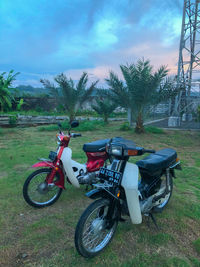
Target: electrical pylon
point(189, 54)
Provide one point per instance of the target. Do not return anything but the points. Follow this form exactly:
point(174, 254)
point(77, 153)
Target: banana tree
point(6, 97)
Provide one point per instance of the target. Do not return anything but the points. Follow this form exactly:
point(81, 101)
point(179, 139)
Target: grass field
point(45, 237)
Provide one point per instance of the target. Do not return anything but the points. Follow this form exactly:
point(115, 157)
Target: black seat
point(96, 146)
point(158, 161)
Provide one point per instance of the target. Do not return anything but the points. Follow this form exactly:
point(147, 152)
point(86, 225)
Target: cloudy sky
point(41, 38)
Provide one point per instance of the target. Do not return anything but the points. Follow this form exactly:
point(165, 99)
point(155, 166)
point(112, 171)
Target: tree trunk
point(139, 124)
point(105, 119)
point(71, 117)
point(130, 116)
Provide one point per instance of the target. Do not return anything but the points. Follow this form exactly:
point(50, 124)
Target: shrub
point(13, 120)
point(153, 129)
point(125, 127)
point(83, 126)
point(89, 125)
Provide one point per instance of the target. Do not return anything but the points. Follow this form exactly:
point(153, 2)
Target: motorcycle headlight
point(58, 140)
point(116, 150)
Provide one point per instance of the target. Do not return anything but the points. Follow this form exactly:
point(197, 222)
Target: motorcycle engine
point(88, 178)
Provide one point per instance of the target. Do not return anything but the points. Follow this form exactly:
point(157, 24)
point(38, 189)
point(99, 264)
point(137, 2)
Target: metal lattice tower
point(189, 53)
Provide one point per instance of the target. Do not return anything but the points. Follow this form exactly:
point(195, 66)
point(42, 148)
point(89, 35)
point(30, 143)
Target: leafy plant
point(125, 127)
point(104, 107)
point(6, 97)
point(142, 88)
point(68, 94)
point(83, 126)
point(19, 104)
point(13, 120)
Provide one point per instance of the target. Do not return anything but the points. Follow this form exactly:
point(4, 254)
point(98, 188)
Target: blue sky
point(41, 38)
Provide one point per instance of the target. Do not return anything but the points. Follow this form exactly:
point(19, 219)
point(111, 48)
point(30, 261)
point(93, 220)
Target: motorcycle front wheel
point(92, 233)
point(37, 192)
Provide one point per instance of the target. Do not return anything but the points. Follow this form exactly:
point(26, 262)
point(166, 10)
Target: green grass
point(197, 245)
point(154, 130)
point(46, 236)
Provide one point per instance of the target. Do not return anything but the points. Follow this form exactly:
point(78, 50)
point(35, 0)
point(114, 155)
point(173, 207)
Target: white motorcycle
point(121, 193)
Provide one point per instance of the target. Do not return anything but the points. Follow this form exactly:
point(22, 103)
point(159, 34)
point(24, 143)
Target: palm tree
point(6, 97)
point(104, 107)
point(71, 96)
point(142, 88)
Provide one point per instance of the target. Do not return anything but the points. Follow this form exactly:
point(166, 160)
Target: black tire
point(165, 201)
point(100, 206)
point(41, 192)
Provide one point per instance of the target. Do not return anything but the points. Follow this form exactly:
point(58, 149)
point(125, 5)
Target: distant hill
point(28, 90)
point(22, 90)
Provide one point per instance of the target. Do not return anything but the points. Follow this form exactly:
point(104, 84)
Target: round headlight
point(116, 150)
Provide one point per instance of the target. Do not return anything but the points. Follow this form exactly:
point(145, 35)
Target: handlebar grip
point(149, 151)
point(74, 135)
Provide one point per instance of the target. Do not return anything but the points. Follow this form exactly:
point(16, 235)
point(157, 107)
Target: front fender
point(61, 182)
point(43, 164)
point(130, 185)
point(97, 193)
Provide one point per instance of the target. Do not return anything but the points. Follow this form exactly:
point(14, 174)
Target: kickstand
point(150, 215)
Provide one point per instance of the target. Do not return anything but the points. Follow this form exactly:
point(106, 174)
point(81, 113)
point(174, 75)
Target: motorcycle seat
point(162, 159)
point(96, 146)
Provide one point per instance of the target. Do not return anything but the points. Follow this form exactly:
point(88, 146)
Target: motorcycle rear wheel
point(92, 235)
point(164, 201)
point(37, 192)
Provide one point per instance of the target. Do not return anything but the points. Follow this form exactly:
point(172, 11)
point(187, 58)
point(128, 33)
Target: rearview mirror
point(74, 124)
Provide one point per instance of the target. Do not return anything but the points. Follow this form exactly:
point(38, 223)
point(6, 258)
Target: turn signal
point(118, 194)
point(132, 152)
point(66, 138)
point(177, 159)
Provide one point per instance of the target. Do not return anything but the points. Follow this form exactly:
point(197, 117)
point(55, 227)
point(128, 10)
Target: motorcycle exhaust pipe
point(167, 190)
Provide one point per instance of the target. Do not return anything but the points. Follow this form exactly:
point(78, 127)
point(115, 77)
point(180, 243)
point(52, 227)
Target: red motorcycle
point(44, 186)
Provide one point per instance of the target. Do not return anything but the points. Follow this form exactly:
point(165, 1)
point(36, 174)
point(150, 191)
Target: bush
point(13, 120)
point(89, 125)
point(125, 127)
point(83, 126)
point(153, 129)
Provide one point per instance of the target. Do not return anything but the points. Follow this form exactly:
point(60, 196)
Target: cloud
point(48, 37)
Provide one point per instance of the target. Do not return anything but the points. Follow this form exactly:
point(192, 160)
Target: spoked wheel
point(164, 201)
point(37, 192)
point(93, 233)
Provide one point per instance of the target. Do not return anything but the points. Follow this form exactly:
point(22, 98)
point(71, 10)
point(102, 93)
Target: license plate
point(112, 177)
